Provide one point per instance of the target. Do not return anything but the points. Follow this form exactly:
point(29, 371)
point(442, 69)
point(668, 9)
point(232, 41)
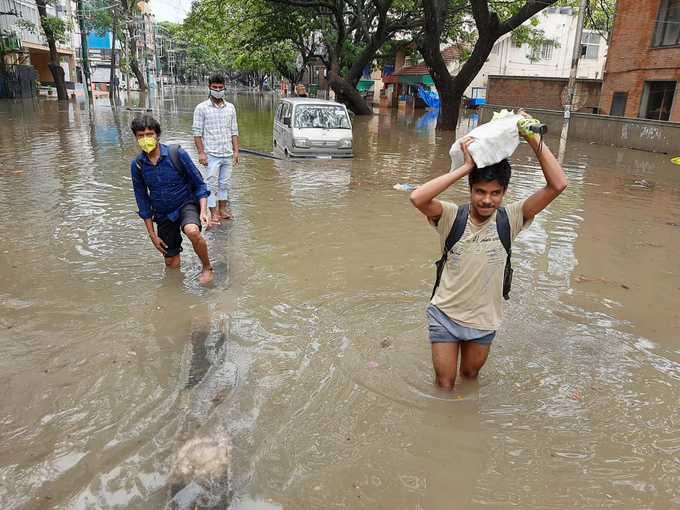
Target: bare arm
point(556, 180)
point(197, 129)
point(236, 144)
point(423, 197)
point(158, 243)
point(202, 157)
point(235, 141)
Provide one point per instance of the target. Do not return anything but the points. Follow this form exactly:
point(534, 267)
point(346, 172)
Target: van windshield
point(321, 116)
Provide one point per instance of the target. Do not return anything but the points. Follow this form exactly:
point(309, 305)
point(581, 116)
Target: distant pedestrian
point(465, 309)
point(215, 130)
point(300, 90)
point(169, 191)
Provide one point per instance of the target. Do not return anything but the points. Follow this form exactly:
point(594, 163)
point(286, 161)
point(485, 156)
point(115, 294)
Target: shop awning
point(425, 79)
point(364, 85)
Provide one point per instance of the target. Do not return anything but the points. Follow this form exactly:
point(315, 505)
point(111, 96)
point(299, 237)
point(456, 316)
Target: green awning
point(416, 79)
point(364, 85)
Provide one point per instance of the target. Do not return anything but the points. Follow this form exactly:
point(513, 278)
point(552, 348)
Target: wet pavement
point(307, 360)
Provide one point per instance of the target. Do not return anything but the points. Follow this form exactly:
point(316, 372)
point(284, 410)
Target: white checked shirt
point(216, 126)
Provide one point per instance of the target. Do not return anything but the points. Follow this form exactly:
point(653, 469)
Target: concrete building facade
point(20, 22)
point(643, 68)
point(558, 24)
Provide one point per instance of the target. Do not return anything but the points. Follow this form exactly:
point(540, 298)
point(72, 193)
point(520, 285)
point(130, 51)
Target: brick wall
point(536, 92)
point(632, 60)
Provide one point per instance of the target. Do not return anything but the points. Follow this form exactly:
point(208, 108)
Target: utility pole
point(571, 86)
point(158, 45)
point(83, 49)
point(113, 80)
point(146, 63)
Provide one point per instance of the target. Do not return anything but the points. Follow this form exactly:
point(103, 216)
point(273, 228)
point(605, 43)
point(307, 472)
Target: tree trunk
point(449, 109)
point(132, 59)
point(489, 28)
point(54, 66)
point(347, 94)
point(134, 65)
point(59, 80)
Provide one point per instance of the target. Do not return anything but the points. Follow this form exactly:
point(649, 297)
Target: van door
point(277, 125)
point(287, 131)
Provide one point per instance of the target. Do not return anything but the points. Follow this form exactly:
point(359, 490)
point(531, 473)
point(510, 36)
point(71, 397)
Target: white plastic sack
point(494, 141)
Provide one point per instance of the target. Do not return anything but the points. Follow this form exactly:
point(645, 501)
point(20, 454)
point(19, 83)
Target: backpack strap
point(173, 150)
point(454, 236)
point(503, 228)
point(138, 166)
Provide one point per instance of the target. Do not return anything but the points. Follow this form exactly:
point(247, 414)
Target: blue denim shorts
point(442, 329)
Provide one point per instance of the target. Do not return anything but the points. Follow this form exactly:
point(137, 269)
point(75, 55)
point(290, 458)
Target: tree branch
point(525, 12)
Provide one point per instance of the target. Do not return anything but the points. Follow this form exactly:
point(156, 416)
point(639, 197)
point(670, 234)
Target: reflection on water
point(302, 378)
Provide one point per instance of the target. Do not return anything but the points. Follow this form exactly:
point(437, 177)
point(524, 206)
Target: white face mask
point(217, 94)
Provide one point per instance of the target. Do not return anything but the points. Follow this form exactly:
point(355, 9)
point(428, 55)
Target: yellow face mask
point(147, 143)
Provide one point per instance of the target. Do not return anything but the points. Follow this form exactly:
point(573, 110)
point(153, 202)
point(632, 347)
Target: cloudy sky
point(170, 10)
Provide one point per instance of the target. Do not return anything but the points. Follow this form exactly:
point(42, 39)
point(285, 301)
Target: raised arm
point(556, 180)
point(424, 197)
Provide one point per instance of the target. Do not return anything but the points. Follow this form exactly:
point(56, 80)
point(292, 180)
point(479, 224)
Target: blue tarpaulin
point(431, 98)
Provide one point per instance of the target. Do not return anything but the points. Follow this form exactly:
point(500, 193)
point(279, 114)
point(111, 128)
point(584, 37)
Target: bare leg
point(472, 358)
point(173, 262)
point(224, 210)
point(445, 363)
point(215, 216)
point(201, 249)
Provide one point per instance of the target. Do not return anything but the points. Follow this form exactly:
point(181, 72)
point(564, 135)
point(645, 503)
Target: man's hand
point(237, 158)
point(468, 162)
point(524, 124)
point(205, 219)
point(159, 244)
point(203, 158)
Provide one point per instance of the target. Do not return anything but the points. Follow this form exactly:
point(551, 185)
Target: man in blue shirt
point(169, 196)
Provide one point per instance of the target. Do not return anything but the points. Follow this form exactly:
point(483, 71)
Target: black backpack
point(503, 228)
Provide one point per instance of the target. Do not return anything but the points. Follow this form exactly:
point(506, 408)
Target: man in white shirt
point(215, 131)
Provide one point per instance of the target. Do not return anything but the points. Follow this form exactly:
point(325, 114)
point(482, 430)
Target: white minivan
point(307, 127)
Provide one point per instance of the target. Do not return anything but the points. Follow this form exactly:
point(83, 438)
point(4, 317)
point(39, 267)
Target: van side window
point(278, 112)
point(286, 110)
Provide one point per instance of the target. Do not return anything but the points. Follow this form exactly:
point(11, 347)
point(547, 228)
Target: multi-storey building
point(24, 43)
point(643, 67)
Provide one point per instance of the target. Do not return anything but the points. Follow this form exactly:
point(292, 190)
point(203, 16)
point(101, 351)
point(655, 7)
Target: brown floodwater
point(308, 356)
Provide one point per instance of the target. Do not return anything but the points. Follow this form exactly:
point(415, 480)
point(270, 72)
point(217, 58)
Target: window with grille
point(542, 52)
point(590, 45)
point(667, 31)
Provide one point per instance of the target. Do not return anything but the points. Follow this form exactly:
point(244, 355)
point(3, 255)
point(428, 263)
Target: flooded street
point(309, 354)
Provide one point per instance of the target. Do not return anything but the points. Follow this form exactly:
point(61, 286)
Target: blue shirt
point(162, 190)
